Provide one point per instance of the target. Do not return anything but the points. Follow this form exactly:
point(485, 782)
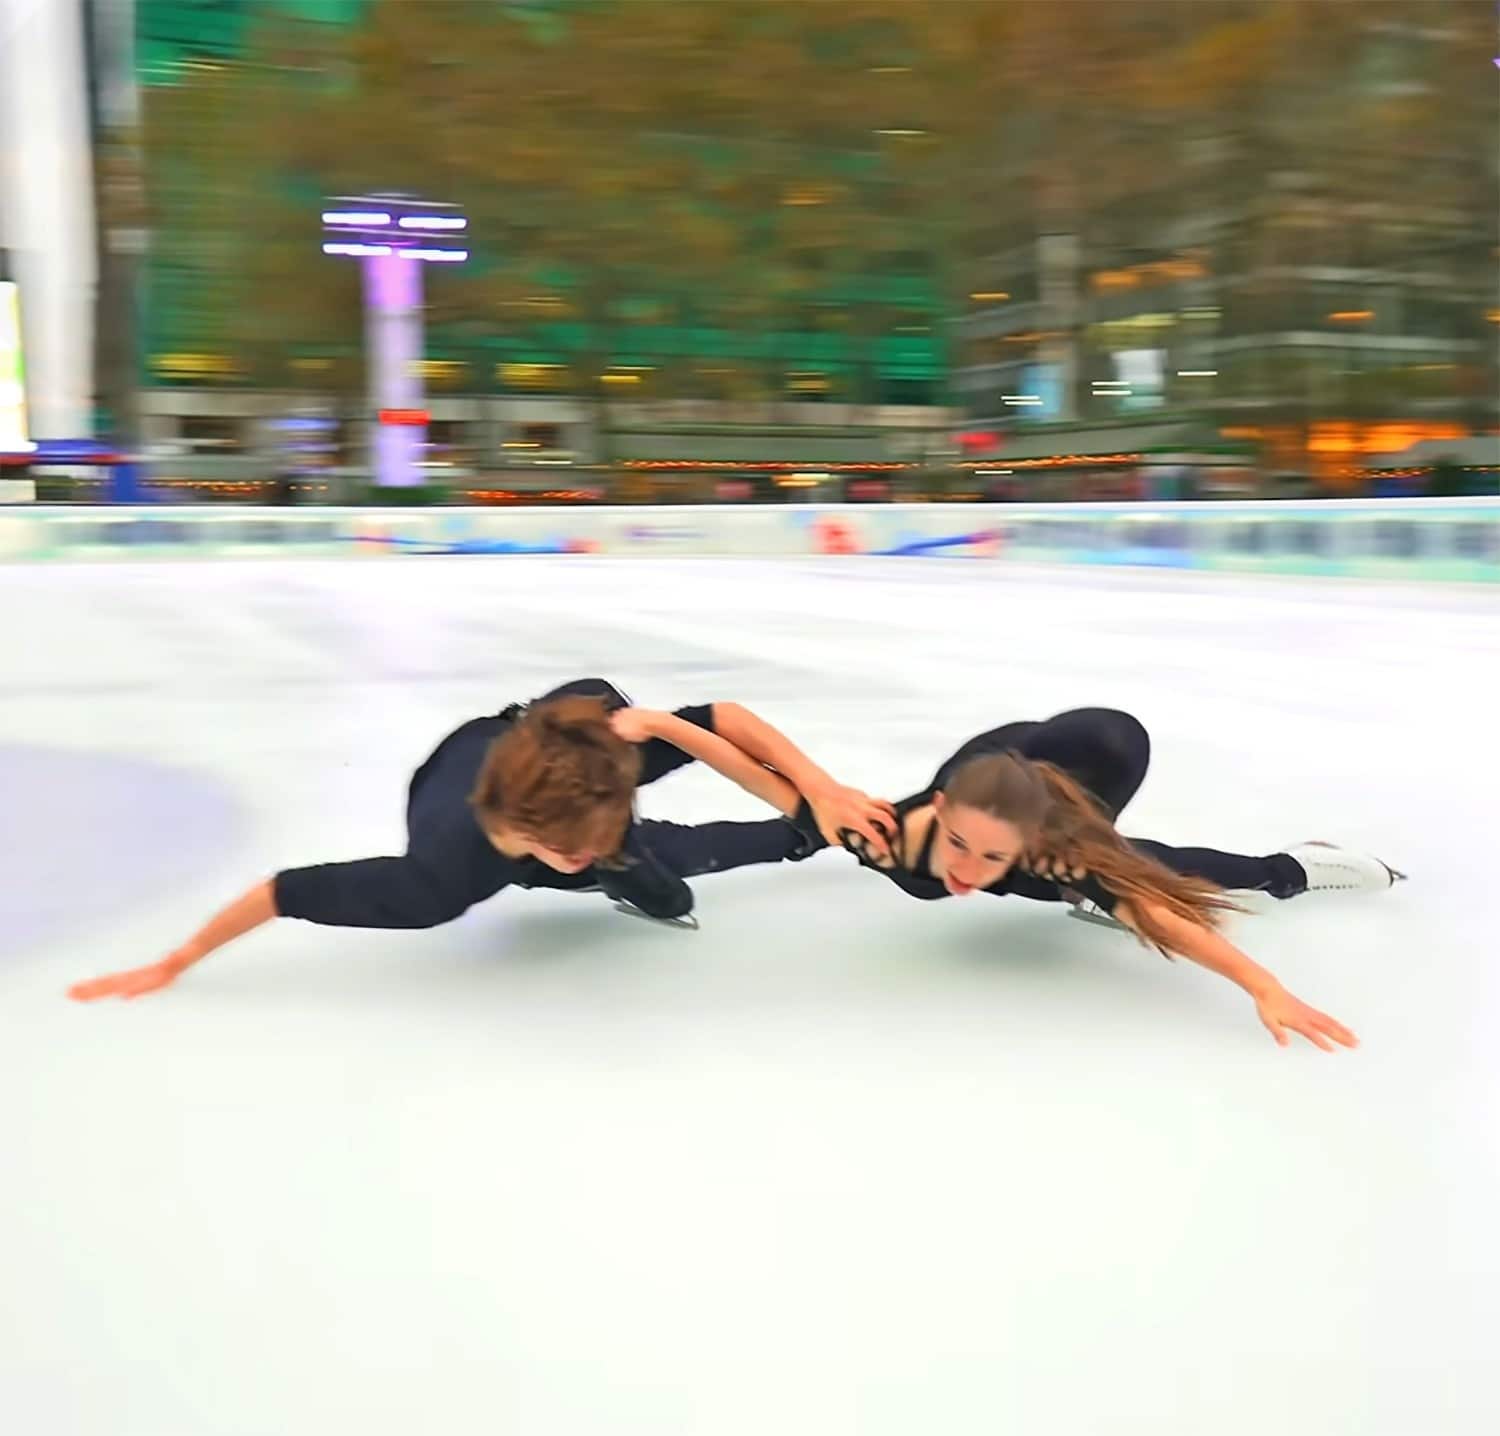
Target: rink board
point(1456, 540)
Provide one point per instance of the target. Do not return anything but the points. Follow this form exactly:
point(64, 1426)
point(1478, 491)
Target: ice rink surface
point(840, 1164)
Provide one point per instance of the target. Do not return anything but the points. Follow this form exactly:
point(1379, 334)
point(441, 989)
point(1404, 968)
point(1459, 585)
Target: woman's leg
point(1279, 874)
point(1105, 750)
point(1007, 738)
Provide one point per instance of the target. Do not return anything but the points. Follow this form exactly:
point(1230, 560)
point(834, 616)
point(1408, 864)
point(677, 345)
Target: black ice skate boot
point(643, 887)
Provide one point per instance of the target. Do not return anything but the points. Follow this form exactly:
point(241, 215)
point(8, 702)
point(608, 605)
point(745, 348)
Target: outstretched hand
point(1284, 1014)
point(133, 983)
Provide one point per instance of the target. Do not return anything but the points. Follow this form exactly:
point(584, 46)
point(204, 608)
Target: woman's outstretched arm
point(1279, 1010)
point(254, 909)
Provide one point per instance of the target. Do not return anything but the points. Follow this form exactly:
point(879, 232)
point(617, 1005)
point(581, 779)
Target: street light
point(393, 236)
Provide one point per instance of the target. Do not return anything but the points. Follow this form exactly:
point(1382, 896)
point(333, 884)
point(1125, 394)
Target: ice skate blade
point(1098, 920)
point(686, 924)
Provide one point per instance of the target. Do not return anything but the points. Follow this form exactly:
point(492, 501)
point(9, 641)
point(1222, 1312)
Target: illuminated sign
point(1140, 378)
point(14, 438)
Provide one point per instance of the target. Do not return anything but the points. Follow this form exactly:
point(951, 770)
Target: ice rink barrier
point(1447, 539)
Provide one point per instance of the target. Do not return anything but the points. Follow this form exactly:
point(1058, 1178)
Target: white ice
point(840, 1164)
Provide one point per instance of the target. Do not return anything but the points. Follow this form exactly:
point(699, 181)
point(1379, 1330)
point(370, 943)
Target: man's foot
point(644, 882)
point(687, 922)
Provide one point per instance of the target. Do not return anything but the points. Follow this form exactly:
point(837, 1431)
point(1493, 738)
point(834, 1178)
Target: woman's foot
point(1086, 910)
point(1330, 868)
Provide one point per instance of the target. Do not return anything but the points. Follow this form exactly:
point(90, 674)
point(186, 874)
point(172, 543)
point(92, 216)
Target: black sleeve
point(374, 892)
point(658, 757)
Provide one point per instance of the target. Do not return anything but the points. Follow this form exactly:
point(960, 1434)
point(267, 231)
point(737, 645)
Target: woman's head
point(1001, 807)
point(558, 785)
point(988, 814)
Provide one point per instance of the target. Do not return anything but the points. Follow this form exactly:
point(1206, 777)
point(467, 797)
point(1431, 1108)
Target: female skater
point(1029, 808)
point(542, 796)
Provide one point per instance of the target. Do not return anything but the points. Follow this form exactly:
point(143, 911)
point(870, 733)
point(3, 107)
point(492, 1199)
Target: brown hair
point(562, 776)
point(1063, 822)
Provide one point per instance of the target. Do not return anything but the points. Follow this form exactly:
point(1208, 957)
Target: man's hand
point(135, 982)
point(840, 810)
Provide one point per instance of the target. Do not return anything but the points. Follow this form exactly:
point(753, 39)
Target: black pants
point(690, 851)
point(656, 858)
point(1108, 752)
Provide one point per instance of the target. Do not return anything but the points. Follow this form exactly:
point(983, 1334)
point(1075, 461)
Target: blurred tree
point(720, 166)
point(770, 179)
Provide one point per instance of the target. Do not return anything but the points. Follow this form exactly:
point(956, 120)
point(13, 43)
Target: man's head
point(558, 785)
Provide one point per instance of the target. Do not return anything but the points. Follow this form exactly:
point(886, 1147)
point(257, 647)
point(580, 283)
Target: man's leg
point(657, 857)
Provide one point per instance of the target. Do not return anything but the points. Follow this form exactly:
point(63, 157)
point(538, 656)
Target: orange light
point(1351, 316)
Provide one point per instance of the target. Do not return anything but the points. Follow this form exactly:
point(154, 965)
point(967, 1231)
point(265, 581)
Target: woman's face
point(972, 849)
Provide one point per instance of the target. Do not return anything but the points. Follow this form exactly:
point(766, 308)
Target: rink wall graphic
point(1411, 538)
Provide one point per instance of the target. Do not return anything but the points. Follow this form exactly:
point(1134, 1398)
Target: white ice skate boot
point(1333, 869)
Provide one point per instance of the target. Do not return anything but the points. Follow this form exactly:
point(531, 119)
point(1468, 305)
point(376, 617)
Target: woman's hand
point(1284, 1014)
point(133, 983)
point(1054, 868)
point(840, 810)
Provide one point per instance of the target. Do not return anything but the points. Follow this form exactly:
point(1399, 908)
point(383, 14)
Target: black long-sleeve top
point(912, 873)
point(449, 863)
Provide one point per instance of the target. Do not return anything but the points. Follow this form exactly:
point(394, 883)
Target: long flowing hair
point(1066, 827)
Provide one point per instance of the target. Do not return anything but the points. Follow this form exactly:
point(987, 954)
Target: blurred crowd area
point(754, 250)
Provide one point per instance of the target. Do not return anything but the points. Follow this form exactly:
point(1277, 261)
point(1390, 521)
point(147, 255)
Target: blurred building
point(1217, 257)
point(1313, 304)
point(834, 402)
point(47, 241)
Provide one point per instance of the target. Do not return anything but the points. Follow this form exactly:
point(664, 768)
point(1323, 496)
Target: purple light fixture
point(393, 236)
